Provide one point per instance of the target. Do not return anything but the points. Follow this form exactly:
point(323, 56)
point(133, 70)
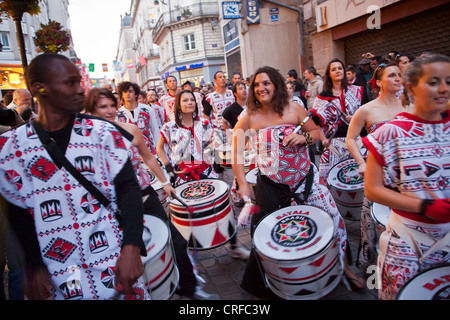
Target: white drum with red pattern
point(161, 274)
point(347, 188)
point(213, 223)
point(432, 284)
point(298, 252)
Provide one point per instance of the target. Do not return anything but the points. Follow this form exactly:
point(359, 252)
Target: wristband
point(308, 138)
point(424, 204)
point(169, 168)
point(165, 183)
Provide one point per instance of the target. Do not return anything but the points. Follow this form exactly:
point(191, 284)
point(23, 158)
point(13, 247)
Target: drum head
point(155, 236)
point(344, 176)
point(294, 233)
point(252, 175)
point(380, 213)
point(200, 192)
point(432, 284)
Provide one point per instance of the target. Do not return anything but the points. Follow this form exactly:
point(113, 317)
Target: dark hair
point(177, 106)
point(215, 74)
point(328, 83)
point(292, 73)
point(40, 66)
point(125, 85)
point(312, 70)
point(93, 96)
point(236, 85)
point(351, 68)
point(280, 97)
point(165, 81)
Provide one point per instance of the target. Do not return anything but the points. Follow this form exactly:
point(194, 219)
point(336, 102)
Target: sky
point(95, 27)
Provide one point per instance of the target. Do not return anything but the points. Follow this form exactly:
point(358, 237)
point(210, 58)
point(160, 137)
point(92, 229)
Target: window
point(4, 38)
point(189, 42)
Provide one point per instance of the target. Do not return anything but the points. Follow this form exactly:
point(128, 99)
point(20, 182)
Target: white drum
point(251, 176)
point(213, 222)
point(380, 215)
point(298, 252)
point(347, 188)
point(160, 271)
point(432, 284)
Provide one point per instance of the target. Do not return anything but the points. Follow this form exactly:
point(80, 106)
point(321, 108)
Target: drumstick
point(297, 129)
point(189, 208)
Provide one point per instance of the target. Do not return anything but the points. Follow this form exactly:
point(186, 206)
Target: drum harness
point(412, 237)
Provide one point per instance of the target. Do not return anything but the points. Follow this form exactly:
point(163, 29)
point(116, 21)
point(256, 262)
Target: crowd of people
point(380, 113)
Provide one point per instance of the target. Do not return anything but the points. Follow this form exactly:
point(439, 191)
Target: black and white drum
point(298, 252)
point(380, 214)
point(347, 188)
point(213, 222)
point(432, 284)
point(161, 274)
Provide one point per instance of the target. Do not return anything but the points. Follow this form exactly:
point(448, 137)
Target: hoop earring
point(194, 114)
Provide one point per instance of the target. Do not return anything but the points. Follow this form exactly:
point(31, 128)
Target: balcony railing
point(176, 14)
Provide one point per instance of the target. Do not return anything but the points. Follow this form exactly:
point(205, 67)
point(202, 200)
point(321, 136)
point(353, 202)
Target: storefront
point(407, 26)
point(11, 78)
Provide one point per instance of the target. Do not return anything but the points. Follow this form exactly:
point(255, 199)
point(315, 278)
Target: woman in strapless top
point(286, 171)
point(387, 79)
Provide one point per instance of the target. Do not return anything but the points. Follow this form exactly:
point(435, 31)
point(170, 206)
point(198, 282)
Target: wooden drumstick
point(189, 208)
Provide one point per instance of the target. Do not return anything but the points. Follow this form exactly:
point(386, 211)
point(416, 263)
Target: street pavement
point(223, 274)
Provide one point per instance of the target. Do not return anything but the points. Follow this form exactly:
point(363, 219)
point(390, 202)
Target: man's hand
point(128, 268)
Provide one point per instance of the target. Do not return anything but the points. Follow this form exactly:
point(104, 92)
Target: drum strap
point(308, 180)
point(412, 237)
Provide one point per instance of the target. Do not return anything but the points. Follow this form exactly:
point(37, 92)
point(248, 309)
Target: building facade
point(346, 29)
point(267, 33)
point(11, 69)
point(188, 35)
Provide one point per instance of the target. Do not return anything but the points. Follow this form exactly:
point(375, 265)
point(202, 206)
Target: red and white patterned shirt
point(218, 103)
point(167, 101)
point(415, 156)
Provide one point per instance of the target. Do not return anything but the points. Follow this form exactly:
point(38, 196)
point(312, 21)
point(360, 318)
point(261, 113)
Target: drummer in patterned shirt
point(407, 170)
point(186, 149)
point(213, 107)
point(142, 115)
point(167, 101)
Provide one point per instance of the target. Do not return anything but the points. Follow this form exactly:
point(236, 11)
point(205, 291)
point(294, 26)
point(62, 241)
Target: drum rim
point(164, 247)
point(203, 214)
point(329, 172)
point(227, 191)
point(204, 206)
point(402, 289)
point(328, 246)
point(372, 213)
point(332, 238)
